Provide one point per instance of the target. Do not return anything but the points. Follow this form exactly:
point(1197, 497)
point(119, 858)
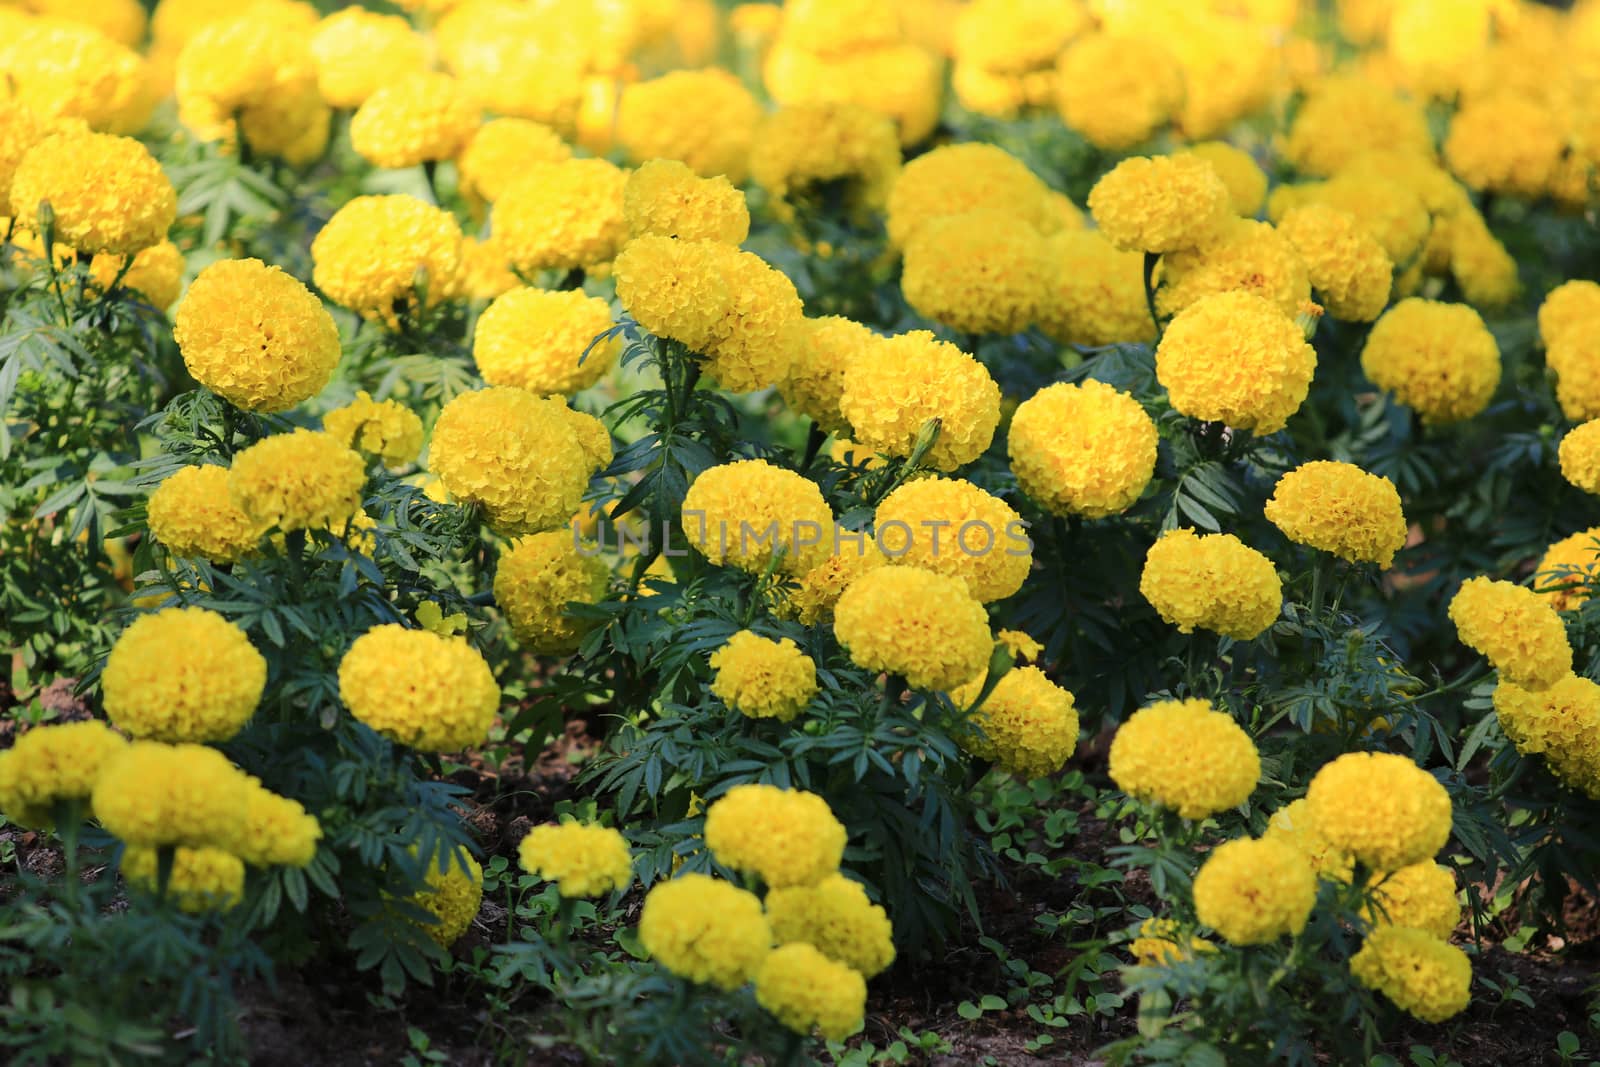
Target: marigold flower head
point(452, 896)
point(20, 129)
point(562, 216)
point(253, 74)
point(155, 794)
point(64, 71)
point(527, 460)
point(156, 273)
point(121, 20)
point(1347, 267)
point(1244, 256)
point(1561, 723)
point(667, 199)
point(1029, 724)
point(1574, 357)
point(902, 82)
point(55, 762)
point(1506, 143)
point(960, 178)
point(762, 678)
point(431, 692)
point(1117, 90)
point(1437, 358)
point(1580, 457)
point(1082, 449)
point(979, 272)
point(1421, 897)
point(1567, 571)
point(277, 830)
point(106, 193)
point(537, 577)
point(583, 859)
point(703, 118)
point(485, 271)
point(835, 917)
point(820, 351)
point(1392, 213)
point(906, 381)
point(748, 349)
point(1161, 942)
point(1346, 115)
point(544, 341)
point(1185, 755)
point(675, 289)
point(1339, 508)
point(829, 27)
point(740, 514)
point(386, 429)
point(202, 879)
point(1381, 809)
point(1094, 293)
point(807, 991)
point(500, 150)
point(1234, 357)
point(1293, 825)
point(358, 51)
point(1246, 181)
point(301, 480)
point(1516, 629)
point(811, 600)
point(183, 674)
point(1424, 976)
point(1213, 581)
point(416, 118)
point(913, 622)
point(1253, 891)
point(1485, 271)
point(802, 146)
point(1573, 305)
point(376, 251)
point(192, 514)
point(784, 837)
point(1160, 204)
point(951, 527)
point(705, 930)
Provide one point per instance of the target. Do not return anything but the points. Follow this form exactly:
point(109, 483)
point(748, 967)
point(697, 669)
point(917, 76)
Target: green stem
point(1149, 274)
point(430, 174)
point(814, 440)
point(1319, 578)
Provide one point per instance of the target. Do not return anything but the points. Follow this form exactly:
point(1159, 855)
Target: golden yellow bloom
point(1482, 267)
point(1391, 212)
point(156, 273)
point(703, 118)
point(1212, 581)
point(1236, 358)
point(1421, 897)
point(1339, 508)
point(705, 930)
point(667, 199)
point(1254, 891)
point(60, 70)
point(256, 336)
point(959, 178)
point(414, 119)
point(748, 347)
point(1381, 809)
point(820, 350)
point(154, 794)
point(899, 81)
point(1293, 825)
point(806, 991)
point(915, 623)
point(1094, 293)
point(1516, 629)
point(951, 527)
point(585, 859)
point(485, 271)
point(562, 216)
point(1029, 724)
point(1437, 358)
point(1229, 64)
point(1572, 357)
point(51, 763)
point(358, 51)
point(1421, 974)
point(202, 879)
point(1505, 143)
point(785, 837)
point(1347, 267)
point(254, 74)
point(983, 271)
point(277, 830)
point(300, 480)
point(1570, 305)
point(1561, 723)
point(537, 577)
point(812, 599)
point(1185, 755)
point(192, 514)
point(802, 146)
point(1084, 449)
point(20, 129)
point(1244, 256)
point(544, 342)
point(1161, 204)
point(836, 918)
point(741, 514)
point(905, 382)
point(1161, 942)
point(376, 252)
point(500, 150)
point(107, 193)
point(1117, 90)
point(452, 896)
point(762, 678)
point(1568, 568)
point(1346, 115)
point(387, 430)
point(1580, 457)
point(675, 289)
point(421, 689)
point(1434, 42)
point(121, 20)
point(183, 674)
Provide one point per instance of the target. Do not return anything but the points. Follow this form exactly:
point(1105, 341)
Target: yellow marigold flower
point(1421, 974)
point(805, 991)
point(1561, 723)
point(1573, 305)
point(537, 577)
point(563, 216)
point(1516, 629)
point(1029, 724)
point(675, 289)
point(1567, 571)
point(156, 273)
point(485, 272)
point(748, 349)
point(1094, 293)
point(1213, 581)
point(1244, 256)
point(1246, 181)
point(915, 623)
point(183, 674)
point(705, 930)
point(1580, 457)
point(1346, 115)
point(1347, 267)
point(980, 272)
point(820, 350)
point(1294, 826)
point(121, 20)
point(1161, 942)
point(254, 74)
point(20, 130)
point(256, 336)
point(703, 118)
point(359, 51)
point(301, 480)
point(812, 600)
point(740, 514)
point(516, 62)
point(951, 527)
point(1421, 897)
point(1379, 808)
point(1482, 267)
point(57, 762)
point(1021, 645)
point(202, 879)
point(1437, 358)
point(107, 193)
point(154, 794)
point(1234, 357)
point(500, 150)
point(544, 341)
point(1434, 41)
point(960, 178)
point(835, 917)
point(192, 514)
point(431, 692)
point(666, 199)
point(64, 71)
point(907, 381)
point(1339, 508)
point(802, 146)
point(376, 251)
point(415, 119)
point(1117, 90)
point(1253, 891)
point(1164, 204)
point(452, 896)
point(1084, 449)
point(1506, 143)
point(762, 678)
point(1576, 363)
point(584, 859)
point(1013, 36)
point(277, 830)
point(902, 82)
point(828, 27)
point(1185, 755)
point(1389, 211)
point(386, 429)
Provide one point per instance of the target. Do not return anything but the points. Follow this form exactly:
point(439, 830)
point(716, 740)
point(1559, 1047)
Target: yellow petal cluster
point(1253, 891)
point(705, 930)
point(1379, 808)
point(807, 991)
point(740, 514)
point(1236, 358)
point(385, 429)
point(301, 480)
point(1516, 629)
point(798, 148)
point(1212, 581)
point(192, 514)
point(1566, 572)
point(907, 381)
point(419, 688)
point(544, 341)
point(561, 216)
point(1029, 724)
point(452, 897)
point(1561, 723)
point(358, 51)
point(1421, 897)
point(418, 118)
point(55, 762)
point(1339, 508)
point(785, 837)
point(183, 674)
point(584, 859)
point(835, 917)
point(952, 527)
point(106, 193)
point(1438, 358)
point(820, 351)
point(1094, 292)
point(915, 623)
point(154, 794)
point(1185, 755)
point(667, 199)
point(1244, 256)
point(702, 118)
point(535, 580)
point(376, 252)
point(1421, 974)
point(1160, 204)
point(1347, 267)
point(1579, 455)
point(983, 271)
point(277, 830)
point(1293, 825)
point(762, 678)
point(202, 879)
point(500, 149)
point(959, 178)
point(1117, 90)
point(1082, 449)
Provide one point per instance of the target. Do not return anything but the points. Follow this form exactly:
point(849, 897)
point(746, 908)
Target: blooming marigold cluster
point(1573, 305)
point(527, 460)
point(1393, 214)
point(183, 674)
point(798, 148)
point(908, 621)
point(1423, 975)
point(983, 538)
point(1244, 256)
point(255, 335)
point(535, 580)
point(385, 429)
point(820, 351)
point(1117, 89)
point(417, 118)
point(1575, 359)
point(1185, 755)
point(664, 198)
point(785, 837)
point(583, 859)
point(500, 150)
point(983, 271)
point(1437, 358)
point(1029, 724)
point(674, 288)
point(277, 830)
point(900, 81)
point(1348, 269)
point(1253, 891)
point(358, 51)
point(202, 879)
point(705, 930)
point(747, 350)
point(561, 215)
point(1505, 143)
point(106, 193)
point(431, 692)
point(1516, 629)
point(192, 514)
point(155, 273)
point(1236, 358)
point(1379, 808)
point(1160, 204)
point(1579, 456)
point(1293, 825)
point(1561, 723)
point(837, 919)
point(1566, 572)
point(377, 252)
point(1082, 449)
point(1212, 581)
point(702, 118)
point(73, 72)
point(1483, 268)
point(901, 385)
point(53, 763)
point(805, 991)
point(155, 794)
point(1421, 897)
point(762, 678)
point(301, 480)
point(1094, 292)
point(960, 178)
point(743, 513)
point(452, 896)
point(544, 341)
point(1161, 942)
point(1339, 508)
